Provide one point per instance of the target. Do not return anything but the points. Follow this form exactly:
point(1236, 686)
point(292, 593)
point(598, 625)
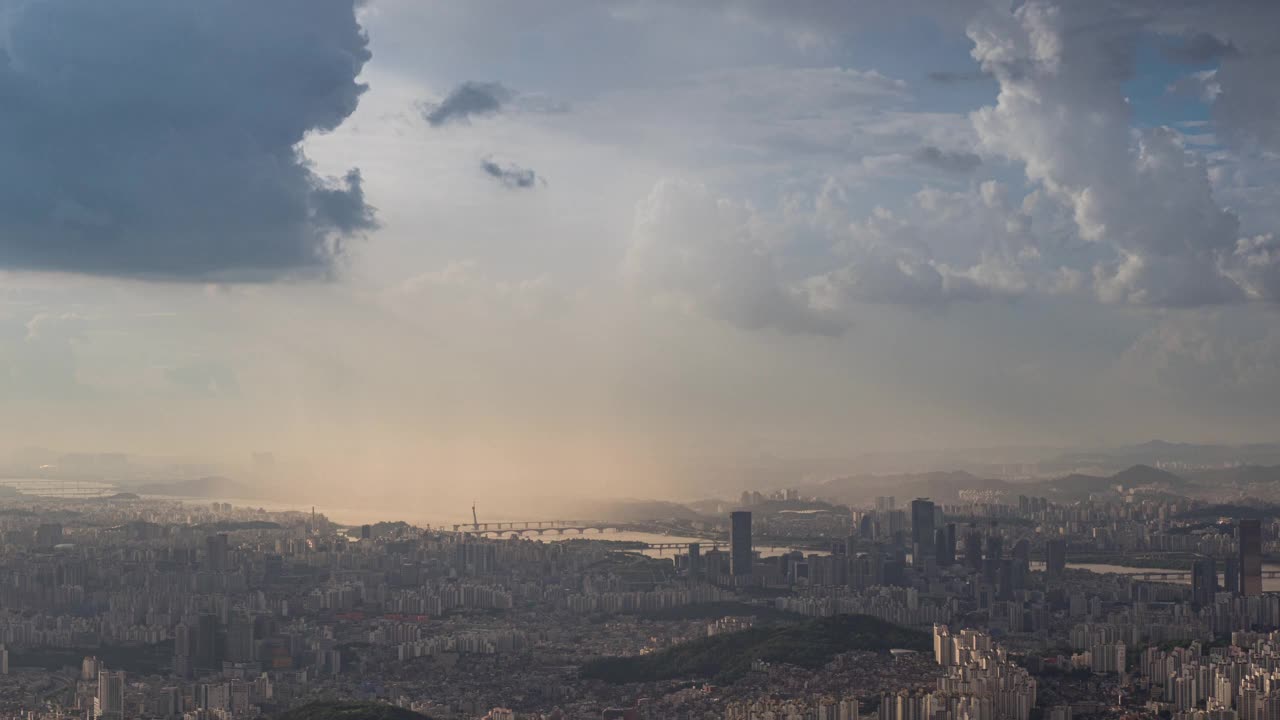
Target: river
point(1268, 584)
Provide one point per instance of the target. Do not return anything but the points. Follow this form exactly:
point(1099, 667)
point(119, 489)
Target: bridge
point(540, 527)
point(702, 545)
point(1183, 574)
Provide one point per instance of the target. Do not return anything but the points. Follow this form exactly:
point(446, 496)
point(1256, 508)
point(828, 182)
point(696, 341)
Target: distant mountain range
point(205, 487)
point(947, 486)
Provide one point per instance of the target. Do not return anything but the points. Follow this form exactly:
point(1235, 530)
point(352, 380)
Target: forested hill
point(725, 658)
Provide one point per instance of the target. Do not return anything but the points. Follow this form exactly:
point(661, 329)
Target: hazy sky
point(589, 244)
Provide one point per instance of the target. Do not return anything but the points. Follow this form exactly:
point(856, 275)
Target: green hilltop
point(725, 658)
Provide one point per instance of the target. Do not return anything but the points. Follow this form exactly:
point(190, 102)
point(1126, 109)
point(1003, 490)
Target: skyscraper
point(1055, 558)
point(216, 550)
point(1249, 536)
point(110, 700)
point(946, 553)
point(922, 530)
point(1231, 575)
point(241, 647)
point(740, 557)
point(973, 549)
point(991, 560)
point(1204, 581)
point(950, 553)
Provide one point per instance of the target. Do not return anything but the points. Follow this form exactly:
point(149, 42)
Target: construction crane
point(475, 521)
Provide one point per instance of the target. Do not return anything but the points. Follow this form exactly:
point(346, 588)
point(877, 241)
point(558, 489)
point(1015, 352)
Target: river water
point(1268, 584)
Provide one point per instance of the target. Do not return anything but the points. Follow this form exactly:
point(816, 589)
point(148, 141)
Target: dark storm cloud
point(159, 138)
point(960, 162)
point(468, 100)
point(1198, 49)
point(510, 175)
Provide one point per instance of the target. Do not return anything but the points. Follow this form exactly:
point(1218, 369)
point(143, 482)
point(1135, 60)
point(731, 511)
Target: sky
point(429, 248)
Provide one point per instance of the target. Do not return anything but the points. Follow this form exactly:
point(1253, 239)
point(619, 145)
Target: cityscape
point(771, 605)
point(639, 360)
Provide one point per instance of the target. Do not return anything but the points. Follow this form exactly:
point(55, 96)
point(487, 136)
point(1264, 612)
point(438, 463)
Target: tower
point(1249, 536)
point(922, 530)
point(740, 554)
point(1055, 558)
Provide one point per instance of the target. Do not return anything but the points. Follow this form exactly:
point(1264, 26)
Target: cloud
point(509, 174)
point(1062, 111)
point(807, 268)
point(468, 100)
point(950, 161)
point(711, 255)
point(205, 378)
point(946, 77)
point(152, 138)
point(1197, 49)
point(464, 286)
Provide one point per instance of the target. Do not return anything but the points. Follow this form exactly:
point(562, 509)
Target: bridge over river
point(545, 527)
point(1181, 574)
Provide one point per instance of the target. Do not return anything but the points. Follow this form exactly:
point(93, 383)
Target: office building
point(991, 559)
point(973, 549)
point(1204, 581)
point(740, 555)
point(241, 644)
point(1055, 558)
point(217, 552)
point(48, 534)
point(946, 553)
point(207, 650)
point(110, 700)
point(922, 530)
point(1249, 537)
point(949, 554)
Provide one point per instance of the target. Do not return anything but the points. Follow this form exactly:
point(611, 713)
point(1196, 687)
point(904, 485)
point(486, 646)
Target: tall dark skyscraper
point(740, 555)
point(946, 555)
point(1249, 535)
point(973, 549)
point(922, 530)
point(1055, 558)
point(1204, 581)
point(991, 560)
point(1005, 576)
point(1231, 575)
point(950, 556)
